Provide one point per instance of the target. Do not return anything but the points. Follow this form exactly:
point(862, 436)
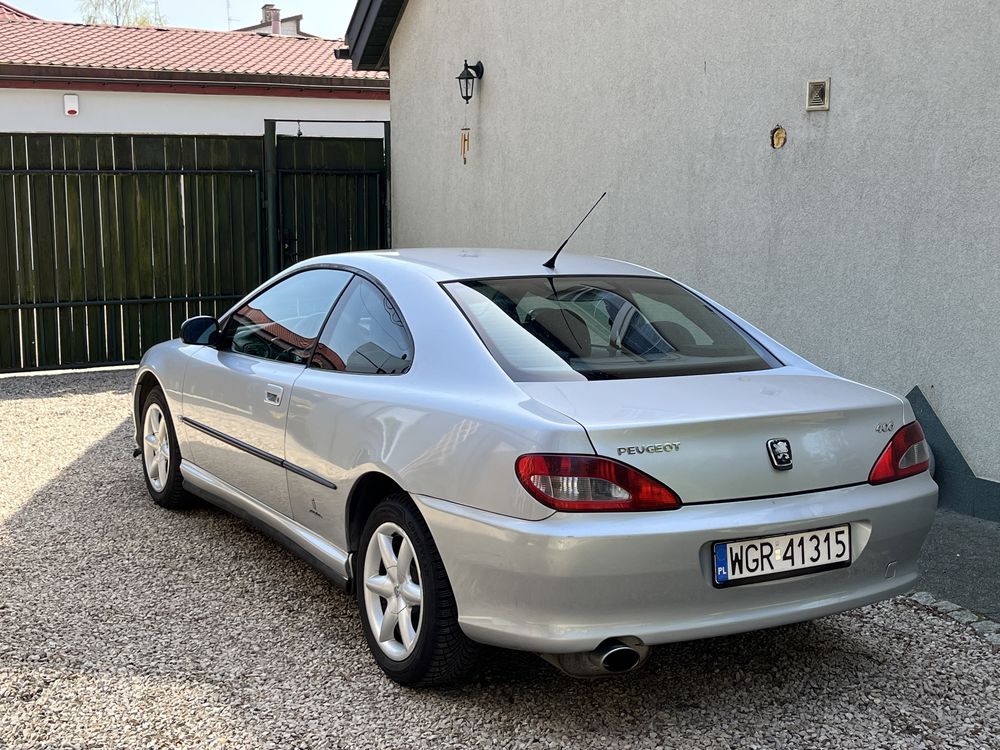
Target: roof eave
point(370, 32)
point(69, 74)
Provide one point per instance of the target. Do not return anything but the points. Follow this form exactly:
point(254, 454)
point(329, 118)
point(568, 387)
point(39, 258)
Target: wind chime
point(466, 85)
point(464, 142)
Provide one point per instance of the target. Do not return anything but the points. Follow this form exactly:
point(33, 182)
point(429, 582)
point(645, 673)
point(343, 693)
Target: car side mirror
point(201, 329)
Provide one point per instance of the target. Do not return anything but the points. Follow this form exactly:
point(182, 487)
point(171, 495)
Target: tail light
point(591, 483)
point(905, 455)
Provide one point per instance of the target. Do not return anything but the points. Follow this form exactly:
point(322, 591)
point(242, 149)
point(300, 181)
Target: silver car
point(580, 462)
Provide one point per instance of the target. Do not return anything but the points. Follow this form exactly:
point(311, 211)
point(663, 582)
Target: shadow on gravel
point(95, 569)
point(118, 616)
point(785, 660)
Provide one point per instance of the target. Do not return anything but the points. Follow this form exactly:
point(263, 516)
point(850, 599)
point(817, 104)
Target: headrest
point(675, 334)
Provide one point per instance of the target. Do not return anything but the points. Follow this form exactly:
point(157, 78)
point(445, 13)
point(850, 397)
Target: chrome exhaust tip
point(614, 656)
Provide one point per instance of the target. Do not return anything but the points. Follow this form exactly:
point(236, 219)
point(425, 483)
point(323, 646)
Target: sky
point(326, 18)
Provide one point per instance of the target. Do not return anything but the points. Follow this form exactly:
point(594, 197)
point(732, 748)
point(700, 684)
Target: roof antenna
point(551, 262)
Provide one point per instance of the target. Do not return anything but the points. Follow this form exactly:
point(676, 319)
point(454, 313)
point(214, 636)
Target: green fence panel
point(109, 242)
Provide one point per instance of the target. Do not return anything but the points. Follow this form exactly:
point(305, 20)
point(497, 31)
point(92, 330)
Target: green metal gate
point(332, 196)
point(107, 243)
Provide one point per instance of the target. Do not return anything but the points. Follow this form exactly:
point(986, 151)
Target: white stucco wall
point(870, 243)
point(41, 111)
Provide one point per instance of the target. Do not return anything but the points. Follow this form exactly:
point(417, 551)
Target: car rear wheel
point(408, 610)
point(161, 457)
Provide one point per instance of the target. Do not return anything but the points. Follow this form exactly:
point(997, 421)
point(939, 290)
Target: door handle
point(272, 394)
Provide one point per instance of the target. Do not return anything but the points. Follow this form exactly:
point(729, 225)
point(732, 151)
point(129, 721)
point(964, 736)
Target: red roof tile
point(67, 45)
point(10, 13)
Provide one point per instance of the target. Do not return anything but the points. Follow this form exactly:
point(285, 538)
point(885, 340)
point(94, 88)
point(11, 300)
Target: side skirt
point(327, 558)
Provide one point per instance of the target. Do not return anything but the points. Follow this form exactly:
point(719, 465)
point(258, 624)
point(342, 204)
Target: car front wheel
point(161, 457)
point(408, 610)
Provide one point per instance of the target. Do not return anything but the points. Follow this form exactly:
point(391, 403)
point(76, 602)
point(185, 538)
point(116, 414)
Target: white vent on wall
point(818, 95)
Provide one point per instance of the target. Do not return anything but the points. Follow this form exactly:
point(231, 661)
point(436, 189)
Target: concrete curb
point(984, 627)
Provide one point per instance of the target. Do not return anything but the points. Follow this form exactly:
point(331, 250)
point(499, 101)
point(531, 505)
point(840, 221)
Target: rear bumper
point(568, 582)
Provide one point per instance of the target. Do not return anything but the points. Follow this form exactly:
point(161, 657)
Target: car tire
point(422, 644)
point(161, 468)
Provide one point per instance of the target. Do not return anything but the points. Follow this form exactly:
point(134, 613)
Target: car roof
point(452, 263)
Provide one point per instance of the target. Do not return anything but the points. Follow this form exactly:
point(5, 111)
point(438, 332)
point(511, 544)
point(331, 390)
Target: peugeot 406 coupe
point(581, 461)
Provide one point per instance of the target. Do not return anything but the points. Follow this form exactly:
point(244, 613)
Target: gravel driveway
point(124, 625)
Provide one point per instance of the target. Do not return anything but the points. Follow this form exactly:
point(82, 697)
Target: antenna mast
point(551, 262)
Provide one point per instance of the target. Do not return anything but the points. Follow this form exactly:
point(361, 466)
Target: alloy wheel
point(156, 447)
point(393, 594)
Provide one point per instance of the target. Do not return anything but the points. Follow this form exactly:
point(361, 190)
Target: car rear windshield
point(603, 328)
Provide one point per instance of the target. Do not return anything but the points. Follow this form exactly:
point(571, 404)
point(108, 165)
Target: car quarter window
point(282, 322)
point(365, 334)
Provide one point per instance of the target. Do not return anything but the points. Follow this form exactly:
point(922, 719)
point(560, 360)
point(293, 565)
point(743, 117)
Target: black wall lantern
point(467, 79)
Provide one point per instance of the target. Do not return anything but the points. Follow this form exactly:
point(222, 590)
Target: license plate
point(769, 557)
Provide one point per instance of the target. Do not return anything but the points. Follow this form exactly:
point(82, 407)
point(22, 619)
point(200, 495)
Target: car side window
point(365, 334)
point(282, 322)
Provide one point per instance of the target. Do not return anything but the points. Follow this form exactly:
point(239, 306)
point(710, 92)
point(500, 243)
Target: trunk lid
point(706, 436)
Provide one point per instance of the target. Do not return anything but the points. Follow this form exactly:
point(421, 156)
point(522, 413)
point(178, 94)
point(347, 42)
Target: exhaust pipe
point(613, 656)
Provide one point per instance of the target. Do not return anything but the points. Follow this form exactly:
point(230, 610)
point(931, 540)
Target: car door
point(237, 394)
point(365, 346)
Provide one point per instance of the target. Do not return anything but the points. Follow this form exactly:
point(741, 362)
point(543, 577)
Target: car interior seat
point(676, 335)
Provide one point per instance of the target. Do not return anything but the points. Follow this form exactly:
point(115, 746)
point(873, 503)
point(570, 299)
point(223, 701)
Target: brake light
point(591, 483)
point(905, 455)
